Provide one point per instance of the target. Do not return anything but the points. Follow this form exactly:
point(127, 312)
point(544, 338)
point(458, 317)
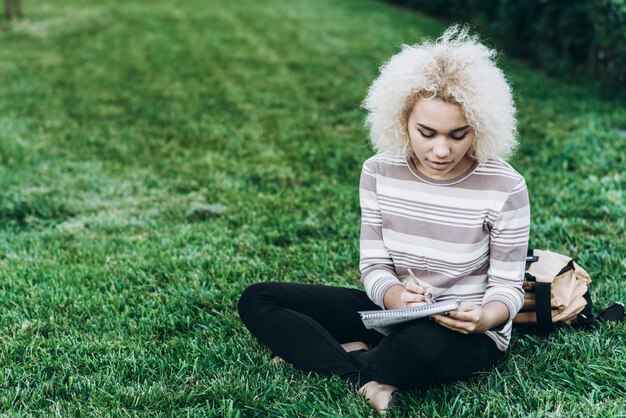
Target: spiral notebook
point(384, 320)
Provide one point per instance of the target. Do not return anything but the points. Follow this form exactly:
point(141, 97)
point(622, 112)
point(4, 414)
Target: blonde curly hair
point(456, 68)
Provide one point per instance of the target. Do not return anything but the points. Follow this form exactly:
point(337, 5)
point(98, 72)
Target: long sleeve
point(508, 246)
point(377, 268)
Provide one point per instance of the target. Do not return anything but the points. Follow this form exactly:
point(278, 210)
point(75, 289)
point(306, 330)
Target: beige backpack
point(556, 292)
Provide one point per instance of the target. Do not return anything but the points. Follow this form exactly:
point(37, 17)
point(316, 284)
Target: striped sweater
point(466, 237)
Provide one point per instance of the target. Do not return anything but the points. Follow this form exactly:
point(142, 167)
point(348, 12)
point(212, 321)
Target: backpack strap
point(542, 307)
point(586, 320)
point(530, 257)
point(614, 313)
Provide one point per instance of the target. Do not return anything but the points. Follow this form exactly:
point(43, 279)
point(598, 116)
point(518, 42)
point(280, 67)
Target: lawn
point(158, 157)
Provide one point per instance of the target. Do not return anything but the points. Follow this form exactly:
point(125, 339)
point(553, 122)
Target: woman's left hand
point(471, 318)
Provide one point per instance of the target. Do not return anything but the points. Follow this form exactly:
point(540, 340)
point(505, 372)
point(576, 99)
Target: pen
point(413, 276)
point(416, 281)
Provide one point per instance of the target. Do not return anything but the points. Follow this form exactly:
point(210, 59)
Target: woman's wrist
point(494, 314)
point(392, 298)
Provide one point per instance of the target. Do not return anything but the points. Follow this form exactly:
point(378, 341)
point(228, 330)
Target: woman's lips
point(440, 165)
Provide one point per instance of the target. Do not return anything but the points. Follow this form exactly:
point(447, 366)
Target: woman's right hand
point(417, 294)
point(408, 296)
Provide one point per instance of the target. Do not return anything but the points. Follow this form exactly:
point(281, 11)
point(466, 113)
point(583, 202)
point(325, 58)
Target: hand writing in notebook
point(417, 292)
point(410, 295)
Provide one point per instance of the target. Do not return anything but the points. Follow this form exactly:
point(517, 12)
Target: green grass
point(121, 123)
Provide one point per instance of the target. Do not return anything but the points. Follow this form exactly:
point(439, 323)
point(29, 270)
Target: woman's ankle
point(354, 346)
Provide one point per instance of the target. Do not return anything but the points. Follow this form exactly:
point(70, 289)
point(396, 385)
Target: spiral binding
point(426, 310)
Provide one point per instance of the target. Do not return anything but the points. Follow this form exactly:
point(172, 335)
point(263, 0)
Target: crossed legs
point(306, 325)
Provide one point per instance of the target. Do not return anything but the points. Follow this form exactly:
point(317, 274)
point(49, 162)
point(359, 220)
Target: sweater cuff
point(509, 300)
point(377, 288)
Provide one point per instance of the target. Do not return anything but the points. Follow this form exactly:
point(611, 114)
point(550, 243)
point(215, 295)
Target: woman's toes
point(379, 395)
point(277, 361)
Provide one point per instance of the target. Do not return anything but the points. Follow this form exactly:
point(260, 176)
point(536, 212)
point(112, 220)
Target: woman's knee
point(254, 298)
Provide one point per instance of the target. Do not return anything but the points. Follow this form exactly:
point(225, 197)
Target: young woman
point(437, 200)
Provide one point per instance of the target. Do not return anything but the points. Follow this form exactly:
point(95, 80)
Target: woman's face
point(441, 138)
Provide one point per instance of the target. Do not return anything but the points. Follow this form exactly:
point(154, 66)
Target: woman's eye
point(458, 138)
point(425, 135)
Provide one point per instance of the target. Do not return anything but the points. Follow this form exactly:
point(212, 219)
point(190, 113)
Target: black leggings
point(305, 325)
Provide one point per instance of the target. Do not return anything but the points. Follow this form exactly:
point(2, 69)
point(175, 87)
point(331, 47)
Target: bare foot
point(355, 345)
point(277, 361)
point(378, 395)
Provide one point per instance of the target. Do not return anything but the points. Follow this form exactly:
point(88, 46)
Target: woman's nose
point(441, 148)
